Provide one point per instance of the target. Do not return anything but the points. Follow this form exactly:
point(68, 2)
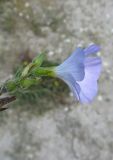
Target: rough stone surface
point(71, 131)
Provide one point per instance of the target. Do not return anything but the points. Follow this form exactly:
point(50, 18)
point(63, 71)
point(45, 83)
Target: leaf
point(27, 69)
point(39, 60)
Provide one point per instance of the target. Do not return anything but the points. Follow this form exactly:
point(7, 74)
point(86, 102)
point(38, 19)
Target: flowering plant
point(80, 72)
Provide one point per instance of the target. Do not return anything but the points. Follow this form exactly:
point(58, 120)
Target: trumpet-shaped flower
point(81, 72)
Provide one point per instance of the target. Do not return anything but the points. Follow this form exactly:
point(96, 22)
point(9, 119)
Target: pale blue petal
point(93, 65)
point(88, 91)
point(73, 66)
point(91, 49)
point(74, 87)
point(88, 87)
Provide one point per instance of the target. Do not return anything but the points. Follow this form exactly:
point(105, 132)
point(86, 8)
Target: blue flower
point(81, 72)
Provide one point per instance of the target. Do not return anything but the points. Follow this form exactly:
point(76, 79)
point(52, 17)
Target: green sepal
point(43, 71)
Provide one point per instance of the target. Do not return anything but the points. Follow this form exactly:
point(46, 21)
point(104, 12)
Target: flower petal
point(92, 49)
point(74, 87)
point(88, 87)
point(88, 91)
point(93, 66)
point(74, 65)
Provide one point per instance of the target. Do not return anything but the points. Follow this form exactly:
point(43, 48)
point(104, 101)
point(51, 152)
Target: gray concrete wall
point(70, 131)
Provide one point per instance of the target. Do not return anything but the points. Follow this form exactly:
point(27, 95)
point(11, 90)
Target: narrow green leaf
point(39, 60)
point(27, 69)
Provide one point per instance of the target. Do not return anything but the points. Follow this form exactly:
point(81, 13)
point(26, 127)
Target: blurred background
point(52, 125)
